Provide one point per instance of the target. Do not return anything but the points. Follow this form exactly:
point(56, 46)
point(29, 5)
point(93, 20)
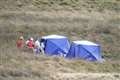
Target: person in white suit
point(37, 48)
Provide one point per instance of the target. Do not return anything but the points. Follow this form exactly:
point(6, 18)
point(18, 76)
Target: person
point(30, 44)
point(20, 42)
point(37, 47)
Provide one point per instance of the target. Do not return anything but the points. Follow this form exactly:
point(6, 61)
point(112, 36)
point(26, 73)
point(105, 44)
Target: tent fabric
point(53, 37)
point(84, 42)
point(85, 50)
point(55, 44)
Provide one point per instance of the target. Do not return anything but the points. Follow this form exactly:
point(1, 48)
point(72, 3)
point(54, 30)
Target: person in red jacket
point(20, 42)
point(30, 44)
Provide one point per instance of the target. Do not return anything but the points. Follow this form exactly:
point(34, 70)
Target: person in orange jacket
point(20, 42)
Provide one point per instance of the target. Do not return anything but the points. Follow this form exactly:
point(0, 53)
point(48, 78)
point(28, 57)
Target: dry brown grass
point(90, 5)
point(93, 20)
point(17, 64)
point(98, 27)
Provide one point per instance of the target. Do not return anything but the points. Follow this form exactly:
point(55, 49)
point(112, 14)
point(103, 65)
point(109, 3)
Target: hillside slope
point(94, 20)
point(96, 5)
point(15, 64)
point(102, 28)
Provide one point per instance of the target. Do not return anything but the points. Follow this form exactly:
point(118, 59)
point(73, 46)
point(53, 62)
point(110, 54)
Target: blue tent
point(55, 44)
point(85, 50)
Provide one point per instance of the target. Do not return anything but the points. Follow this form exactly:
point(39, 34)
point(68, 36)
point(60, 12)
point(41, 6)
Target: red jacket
point(30, 44)
point(20, 43)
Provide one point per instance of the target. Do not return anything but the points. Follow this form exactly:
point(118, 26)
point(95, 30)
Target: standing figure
point(20, 42)
point(30, 44)
point(37, 47)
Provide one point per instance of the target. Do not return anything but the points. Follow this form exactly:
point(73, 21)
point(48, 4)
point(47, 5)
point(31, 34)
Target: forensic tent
point(55, 44)
point(85, 50)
